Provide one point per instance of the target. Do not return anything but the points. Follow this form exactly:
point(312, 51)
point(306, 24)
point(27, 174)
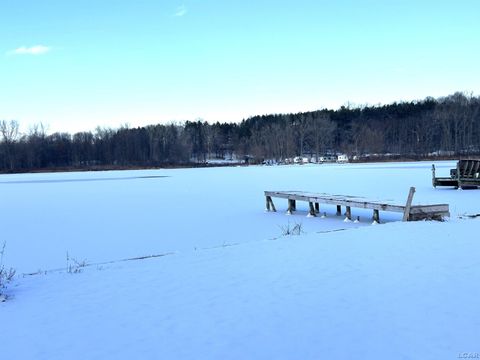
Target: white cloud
point(33, 50)
point(181, 10)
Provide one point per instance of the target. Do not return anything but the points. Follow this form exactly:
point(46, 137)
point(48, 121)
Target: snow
point(229, 285)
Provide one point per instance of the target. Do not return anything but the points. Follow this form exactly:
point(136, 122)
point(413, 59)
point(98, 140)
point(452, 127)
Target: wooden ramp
point(410, 212)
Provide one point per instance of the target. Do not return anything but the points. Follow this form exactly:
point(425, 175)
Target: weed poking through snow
point(74, 266)
point(289, 229)
point(6, 274)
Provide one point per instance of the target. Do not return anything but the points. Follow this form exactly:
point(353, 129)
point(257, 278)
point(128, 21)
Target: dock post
point(348, 213)
point(312, 209)
point(291, 207)
point(406, 212)
point(270, 205)
point(376, 216)
point(434, 184)
point(317, 207)
point(267, 203)
point(294, 205)
point(458, 175)
point(339, 210)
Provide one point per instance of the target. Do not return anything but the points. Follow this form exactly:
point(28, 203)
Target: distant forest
point(448, 126)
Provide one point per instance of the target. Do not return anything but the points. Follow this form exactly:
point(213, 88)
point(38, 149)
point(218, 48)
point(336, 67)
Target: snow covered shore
point(230, 286)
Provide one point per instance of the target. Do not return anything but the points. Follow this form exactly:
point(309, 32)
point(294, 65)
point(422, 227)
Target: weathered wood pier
point(466, 175)
point(410, 212)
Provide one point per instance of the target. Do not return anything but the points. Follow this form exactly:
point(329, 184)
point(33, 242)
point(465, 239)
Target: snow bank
point(233, 288)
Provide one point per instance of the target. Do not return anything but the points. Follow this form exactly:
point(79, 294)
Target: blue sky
point(75, 65)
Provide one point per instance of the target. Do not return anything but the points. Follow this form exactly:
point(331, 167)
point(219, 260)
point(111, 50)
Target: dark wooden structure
point(410, 212)
point(465, 175)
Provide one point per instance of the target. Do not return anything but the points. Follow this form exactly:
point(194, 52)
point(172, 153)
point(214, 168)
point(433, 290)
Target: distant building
point(327, 158)
point(342, 158)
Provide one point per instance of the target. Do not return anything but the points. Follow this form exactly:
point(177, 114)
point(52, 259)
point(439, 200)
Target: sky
point(76, 65)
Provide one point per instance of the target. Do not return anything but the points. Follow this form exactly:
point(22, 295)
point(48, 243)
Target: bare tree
point(323, 130)
point(10, 132)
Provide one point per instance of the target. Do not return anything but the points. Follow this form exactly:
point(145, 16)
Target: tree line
point(448, 125)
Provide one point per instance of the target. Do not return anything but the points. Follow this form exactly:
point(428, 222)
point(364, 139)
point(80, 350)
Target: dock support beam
point(291, 206)
point(311, 209)
point(317, 207)
point(269, 203)
point(339, 210)
point(376, 216)
point(406, 213)
point(348, 213)
point(458, 175)
point(434, 184)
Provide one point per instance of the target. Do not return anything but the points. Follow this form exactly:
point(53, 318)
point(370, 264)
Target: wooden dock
point(410, 212)
point(466, 175)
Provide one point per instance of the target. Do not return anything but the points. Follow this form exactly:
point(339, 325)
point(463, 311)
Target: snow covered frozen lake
point(230, 286)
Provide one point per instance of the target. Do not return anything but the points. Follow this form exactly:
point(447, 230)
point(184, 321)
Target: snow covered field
point(229, 285)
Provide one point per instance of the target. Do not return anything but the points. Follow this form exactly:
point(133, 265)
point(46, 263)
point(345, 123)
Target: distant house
point(297, 160)
point(301, 160)
point(327, 158)
point(342, 158)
